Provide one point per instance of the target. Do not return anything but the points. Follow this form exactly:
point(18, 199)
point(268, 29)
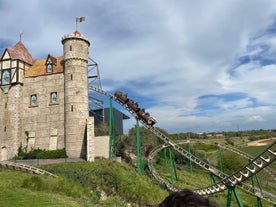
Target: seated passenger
point(121, 96)
point(186, 198)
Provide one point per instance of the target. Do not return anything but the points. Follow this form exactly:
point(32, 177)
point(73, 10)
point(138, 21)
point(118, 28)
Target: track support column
point(189, 159)
point(165, 156)
point(138, 146)
point(172, 168)
point(220, 159)
point(259, 201)
point(229, 196)
point(212, 181)
point(112, 136)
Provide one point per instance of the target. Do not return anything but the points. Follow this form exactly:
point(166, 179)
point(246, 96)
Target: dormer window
point(50, 63)
point(49, 68)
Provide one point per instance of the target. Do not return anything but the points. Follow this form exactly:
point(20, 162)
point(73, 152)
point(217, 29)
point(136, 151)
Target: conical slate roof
point(19, 51)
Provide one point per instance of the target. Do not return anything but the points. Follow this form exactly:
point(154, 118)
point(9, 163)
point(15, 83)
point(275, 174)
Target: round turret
point(75, 52)
point(75, 46)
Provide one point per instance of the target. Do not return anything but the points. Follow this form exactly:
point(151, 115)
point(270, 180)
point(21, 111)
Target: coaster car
point(122, 97)
point(133, 105)
point(145, 117)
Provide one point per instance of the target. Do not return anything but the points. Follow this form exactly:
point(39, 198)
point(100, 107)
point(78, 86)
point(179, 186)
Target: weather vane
point(79, 19)
point(20, 35)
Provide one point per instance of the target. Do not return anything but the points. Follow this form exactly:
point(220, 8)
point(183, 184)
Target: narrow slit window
point(72, 108)
point(70, 48)
point(71, 76)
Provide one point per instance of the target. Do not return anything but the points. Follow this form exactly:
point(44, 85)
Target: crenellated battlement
point(76, 35)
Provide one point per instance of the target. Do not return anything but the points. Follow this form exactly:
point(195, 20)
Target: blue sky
point(199, 66)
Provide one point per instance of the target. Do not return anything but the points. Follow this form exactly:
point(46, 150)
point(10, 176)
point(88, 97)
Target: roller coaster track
point(244, 186)
point(23, 167)
point(247, 156)
point(254, 166)
point(225, 147)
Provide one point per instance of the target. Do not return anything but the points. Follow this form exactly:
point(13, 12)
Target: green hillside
point(25, 190)
point(109, 183)
point(84, 184)
point(80, 184)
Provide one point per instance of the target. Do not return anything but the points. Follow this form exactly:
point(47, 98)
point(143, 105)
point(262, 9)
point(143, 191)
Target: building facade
point(102, 115)
point(44, 103)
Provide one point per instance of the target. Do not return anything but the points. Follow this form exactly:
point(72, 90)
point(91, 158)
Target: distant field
point(254, 150)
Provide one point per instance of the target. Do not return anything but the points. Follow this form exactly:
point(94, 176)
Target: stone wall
point(44, 122)
point(102, 146)
point(10, 119)
point(90, 156)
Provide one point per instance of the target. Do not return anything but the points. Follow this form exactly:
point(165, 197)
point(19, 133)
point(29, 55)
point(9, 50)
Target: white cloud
point(255, 118)
point(171, 53)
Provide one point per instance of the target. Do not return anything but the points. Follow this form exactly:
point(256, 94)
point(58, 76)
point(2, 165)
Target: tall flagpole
point(79, 19)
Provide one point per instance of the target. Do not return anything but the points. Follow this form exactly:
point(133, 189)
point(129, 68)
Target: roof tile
point(39, 68)
point(19, 51)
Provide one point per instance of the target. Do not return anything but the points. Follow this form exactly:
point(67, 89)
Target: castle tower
point(75, 52)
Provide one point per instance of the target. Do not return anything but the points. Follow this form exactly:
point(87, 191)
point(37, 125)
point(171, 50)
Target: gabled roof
point(19, 51)
point(39, 67)
point(52, 59)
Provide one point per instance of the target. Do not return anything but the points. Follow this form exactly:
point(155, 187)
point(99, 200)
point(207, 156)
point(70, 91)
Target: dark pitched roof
point(19, 51)
point(52, 59)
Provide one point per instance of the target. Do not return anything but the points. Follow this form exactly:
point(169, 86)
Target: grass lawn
point(12, 193)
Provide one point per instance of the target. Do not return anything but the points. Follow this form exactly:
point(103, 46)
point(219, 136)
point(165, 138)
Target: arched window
point(54, 97)
point(33, 100)
point(49, 68)
point(6, 77)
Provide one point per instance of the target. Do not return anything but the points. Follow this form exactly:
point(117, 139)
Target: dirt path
point(262, 142)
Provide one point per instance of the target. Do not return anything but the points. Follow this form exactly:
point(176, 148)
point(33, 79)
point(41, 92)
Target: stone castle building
point(44, 103)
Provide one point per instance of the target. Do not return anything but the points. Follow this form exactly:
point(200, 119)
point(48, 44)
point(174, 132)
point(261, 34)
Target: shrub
point(51, 154)
point(114, 179)
point(40, 154)
point(33, 183)
point(232, 162)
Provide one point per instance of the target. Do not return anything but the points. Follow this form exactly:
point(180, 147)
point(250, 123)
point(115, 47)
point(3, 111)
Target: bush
point(51, 154)
point(40, 154)
point(114, 179)
point(232, 162)
point(33, 183)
